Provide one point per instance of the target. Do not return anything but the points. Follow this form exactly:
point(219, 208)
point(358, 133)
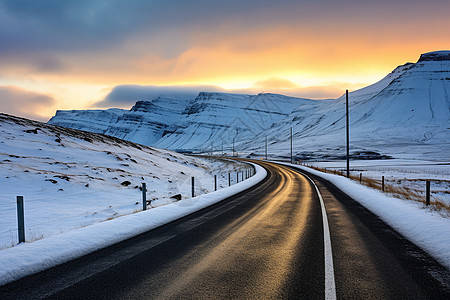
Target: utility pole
point(266, 147)
point(348, 134)
point(233, 147)
point(292, 161)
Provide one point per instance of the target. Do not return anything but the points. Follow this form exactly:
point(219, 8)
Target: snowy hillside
point(71, 178)
point(406, 114)
point(403, 115)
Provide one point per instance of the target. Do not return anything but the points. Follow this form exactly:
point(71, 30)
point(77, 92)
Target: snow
point(71, 179)
point(74, 198)
point(425, 228)
point(33, 257)
point(402, 173)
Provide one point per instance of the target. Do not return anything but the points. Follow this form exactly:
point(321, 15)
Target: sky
point(82, 54)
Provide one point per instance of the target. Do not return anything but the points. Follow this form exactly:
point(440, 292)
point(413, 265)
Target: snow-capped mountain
point(186, 124)
point(406, 113)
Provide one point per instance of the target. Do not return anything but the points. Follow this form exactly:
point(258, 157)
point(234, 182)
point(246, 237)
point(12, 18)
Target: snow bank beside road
point(426, 229)
point(30, 258)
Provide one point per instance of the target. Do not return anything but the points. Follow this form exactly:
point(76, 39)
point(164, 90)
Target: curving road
point(267, 242)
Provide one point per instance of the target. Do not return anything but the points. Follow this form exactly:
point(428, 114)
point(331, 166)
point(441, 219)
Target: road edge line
point(330, 285)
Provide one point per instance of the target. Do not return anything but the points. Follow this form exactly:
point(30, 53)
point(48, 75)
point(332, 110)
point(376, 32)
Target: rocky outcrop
point(435, 56)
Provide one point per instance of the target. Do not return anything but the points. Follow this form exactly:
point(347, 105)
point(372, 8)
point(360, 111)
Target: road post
point(347, 134)
point(144, 196)
point(20, 219)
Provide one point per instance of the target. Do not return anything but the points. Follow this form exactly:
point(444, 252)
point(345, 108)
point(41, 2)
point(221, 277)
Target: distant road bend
point(267, 242)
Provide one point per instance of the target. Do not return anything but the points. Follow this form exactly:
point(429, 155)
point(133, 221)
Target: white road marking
point(330, 286)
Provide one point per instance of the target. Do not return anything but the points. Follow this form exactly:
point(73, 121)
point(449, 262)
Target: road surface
point(265, 243)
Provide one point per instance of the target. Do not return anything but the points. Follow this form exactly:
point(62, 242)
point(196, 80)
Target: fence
point(394, 189)
point(29, 227)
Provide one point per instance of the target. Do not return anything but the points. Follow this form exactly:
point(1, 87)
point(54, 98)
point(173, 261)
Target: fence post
point(215, 182)
point(20, 219)
point(229, 179)
point(144, 196)
point(193, 187)
point(360, 177)
point(382, 183)
point(427, 192)
point(237, 177)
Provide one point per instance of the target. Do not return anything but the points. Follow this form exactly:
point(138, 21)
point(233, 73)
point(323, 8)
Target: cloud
point(124, 96)
point(75, 25)
point(210, 42)
point(23, 103)
point(127, 95)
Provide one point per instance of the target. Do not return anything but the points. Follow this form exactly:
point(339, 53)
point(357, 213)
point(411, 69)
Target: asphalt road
point(264, 243)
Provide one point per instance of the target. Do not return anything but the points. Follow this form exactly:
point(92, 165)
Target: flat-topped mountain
point(206, 121)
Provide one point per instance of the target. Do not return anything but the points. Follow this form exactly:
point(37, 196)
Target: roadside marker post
point(347, 134)
point(20, 219)
point(427, 192)
point(144, 196)
point(215, 182)
point(193, 187)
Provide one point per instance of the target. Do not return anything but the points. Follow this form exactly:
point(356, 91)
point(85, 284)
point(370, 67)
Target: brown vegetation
point(396, 190)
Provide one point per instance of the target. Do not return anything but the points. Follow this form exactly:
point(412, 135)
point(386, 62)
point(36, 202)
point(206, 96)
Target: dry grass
point(397, 191)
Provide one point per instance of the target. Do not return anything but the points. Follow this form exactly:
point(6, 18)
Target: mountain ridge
point(411, 103)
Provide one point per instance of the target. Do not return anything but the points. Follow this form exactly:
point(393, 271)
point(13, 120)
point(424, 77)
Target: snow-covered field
point(72, 179)
point(426, 228)
point(410, 175)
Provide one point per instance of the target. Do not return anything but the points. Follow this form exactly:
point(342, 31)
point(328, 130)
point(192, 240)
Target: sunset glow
point(76, 52)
